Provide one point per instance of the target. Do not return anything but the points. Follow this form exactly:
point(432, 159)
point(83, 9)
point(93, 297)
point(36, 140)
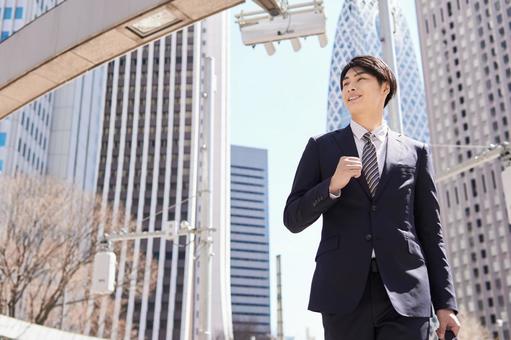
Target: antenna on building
point(280, 321)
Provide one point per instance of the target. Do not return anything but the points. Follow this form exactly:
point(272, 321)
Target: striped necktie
point(370, 164)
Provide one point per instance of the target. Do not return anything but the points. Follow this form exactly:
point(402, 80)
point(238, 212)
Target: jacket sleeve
point(309, 196)
point(429, 230)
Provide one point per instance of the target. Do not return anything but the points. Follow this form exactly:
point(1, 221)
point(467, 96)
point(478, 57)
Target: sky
point(277, 103)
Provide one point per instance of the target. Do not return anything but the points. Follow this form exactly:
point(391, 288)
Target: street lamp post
point(389, 55)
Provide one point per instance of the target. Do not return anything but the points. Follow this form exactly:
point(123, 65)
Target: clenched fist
point(346, 168)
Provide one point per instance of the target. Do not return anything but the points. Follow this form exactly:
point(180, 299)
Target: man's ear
point(386, 88)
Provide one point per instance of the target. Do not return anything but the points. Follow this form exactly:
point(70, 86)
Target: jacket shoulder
point(414, 143)
point(327, 136)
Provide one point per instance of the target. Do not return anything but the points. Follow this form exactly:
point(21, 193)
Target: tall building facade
point(24, 135)
point(57, 134)
point(250, 261)
point(159, 99)
point(466, 51)
point(75, 130)
point(358, 33)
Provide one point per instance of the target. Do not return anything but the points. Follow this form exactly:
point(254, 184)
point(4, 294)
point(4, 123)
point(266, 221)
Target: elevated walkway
point(78, 35)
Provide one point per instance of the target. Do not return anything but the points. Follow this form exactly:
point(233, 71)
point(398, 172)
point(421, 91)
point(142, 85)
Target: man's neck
point(369, 124)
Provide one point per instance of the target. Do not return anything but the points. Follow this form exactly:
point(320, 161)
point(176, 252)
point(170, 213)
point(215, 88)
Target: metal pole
point(280, 321)
point(206, 237)
point(387, 43)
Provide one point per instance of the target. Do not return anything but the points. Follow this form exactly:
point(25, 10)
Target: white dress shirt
point(379, 139)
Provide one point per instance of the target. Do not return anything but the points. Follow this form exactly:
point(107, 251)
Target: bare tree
point(248, 331)
point(471, 328)
point(49, 233)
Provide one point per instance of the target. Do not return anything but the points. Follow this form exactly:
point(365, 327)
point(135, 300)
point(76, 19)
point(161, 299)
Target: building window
point(500, 298)
point(7, 13)
point(3, 138)
point(19, 13)
point(474, 191)
point(1, 165)
point(4, 36)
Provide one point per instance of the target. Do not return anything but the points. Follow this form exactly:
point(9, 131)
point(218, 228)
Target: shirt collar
point(359, 130)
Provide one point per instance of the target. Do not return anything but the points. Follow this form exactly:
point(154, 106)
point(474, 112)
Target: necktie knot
point(367, 137)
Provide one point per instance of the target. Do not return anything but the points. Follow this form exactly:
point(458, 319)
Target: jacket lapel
point(394, 155)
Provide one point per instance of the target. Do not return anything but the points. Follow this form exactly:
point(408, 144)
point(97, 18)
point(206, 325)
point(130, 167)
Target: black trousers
point(375, 318)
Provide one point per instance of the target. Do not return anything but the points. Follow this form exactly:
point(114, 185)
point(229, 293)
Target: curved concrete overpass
point(78, 35)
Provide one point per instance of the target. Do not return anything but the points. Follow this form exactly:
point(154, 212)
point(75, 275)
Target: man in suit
point(381, 262)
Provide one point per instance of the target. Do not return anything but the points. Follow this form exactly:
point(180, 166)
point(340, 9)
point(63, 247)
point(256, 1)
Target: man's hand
point(346, 168)
point(448, 320)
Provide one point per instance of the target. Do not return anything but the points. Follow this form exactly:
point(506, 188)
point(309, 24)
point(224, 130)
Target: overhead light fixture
point(154, 22)
point(270, 49)
point(323, 40)
point(296, 21)
point(296, 44)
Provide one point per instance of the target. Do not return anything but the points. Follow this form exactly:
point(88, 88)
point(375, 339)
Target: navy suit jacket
point(402, 223)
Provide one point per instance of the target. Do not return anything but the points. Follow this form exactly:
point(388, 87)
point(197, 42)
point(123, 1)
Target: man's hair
point(376, 67)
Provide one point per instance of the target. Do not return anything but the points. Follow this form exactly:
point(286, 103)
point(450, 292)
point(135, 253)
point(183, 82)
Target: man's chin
point(356, 111)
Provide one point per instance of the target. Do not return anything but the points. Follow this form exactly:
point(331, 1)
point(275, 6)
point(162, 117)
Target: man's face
point(362, 93)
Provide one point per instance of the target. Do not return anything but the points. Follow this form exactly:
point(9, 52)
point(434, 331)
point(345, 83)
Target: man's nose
point(350, 88)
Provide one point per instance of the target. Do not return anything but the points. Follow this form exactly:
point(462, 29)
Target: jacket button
point(369, 237)
point(373, 207)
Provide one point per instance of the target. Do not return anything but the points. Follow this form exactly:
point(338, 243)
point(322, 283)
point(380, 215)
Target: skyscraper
point(74, 137)
point(358, 33)
point(24, 135)
point(153, 123)
point(250, 267)
point(466, 50)
point(57, 134)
